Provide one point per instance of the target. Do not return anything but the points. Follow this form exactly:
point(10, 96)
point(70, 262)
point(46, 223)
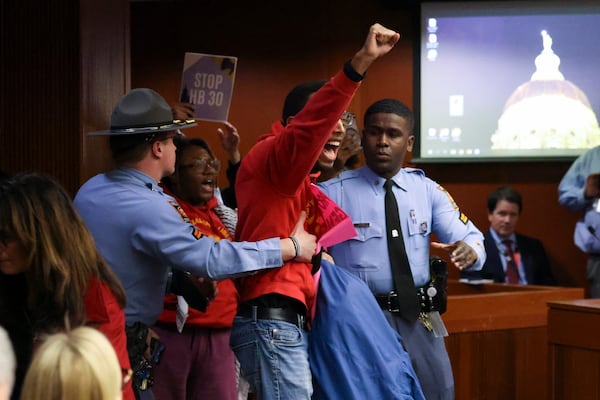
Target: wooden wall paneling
point(499, 364)
point(40, 88)
point(574, 349)
point(531, 370)
point(571, 382)
point(64, 64)
point(497, 340)
point(105, 77)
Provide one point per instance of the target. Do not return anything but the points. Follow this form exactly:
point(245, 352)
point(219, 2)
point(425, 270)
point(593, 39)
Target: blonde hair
point(77, 365)
point(7, 363)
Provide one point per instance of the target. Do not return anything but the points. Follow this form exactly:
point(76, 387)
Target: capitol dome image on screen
point(548, 111)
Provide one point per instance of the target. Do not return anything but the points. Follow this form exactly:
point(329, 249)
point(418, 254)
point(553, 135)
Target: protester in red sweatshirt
point(273, 187)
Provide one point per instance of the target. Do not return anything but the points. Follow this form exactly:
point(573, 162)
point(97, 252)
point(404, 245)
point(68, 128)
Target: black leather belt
point(390, 301)
point(277, 314)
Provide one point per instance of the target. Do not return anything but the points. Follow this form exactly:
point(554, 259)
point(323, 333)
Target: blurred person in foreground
point(8, 364)
point(67, 282)
point(75, 365)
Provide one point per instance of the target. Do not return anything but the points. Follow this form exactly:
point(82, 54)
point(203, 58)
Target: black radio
point(433, 296)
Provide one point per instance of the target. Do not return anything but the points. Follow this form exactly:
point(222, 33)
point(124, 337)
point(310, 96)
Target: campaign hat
point(143, 111)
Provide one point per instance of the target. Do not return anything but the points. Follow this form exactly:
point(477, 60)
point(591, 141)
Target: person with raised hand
point(273, 188)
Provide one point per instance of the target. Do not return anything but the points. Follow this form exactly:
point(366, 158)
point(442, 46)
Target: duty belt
point(390, 301)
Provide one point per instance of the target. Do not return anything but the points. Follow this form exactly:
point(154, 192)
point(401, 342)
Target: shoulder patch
point(197, 234)
point(454, 205)
point(463, 218)
point(180, 211)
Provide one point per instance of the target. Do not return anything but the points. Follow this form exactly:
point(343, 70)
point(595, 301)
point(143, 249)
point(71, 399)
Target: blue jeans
point(273, 357)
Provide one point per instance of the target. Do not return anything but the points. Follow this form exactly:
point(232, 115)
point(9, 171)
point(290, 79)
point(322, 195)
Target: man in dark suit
point(511, 257)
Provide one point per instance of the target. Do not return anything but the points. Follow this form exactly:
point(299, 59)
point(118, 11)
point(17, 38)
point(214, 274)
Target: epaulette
point(411, 170)
point(349, 174)
point(343, 176)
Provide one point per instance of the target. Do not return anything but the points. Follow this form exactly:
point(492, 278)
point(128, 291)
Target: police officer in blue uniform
point(142, 232)
point(424, 207)
point(579, 191)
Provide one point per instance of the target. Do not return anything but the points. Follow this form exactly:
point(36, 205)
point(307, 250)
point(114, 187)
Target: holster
point(136, 347)
point(439, 281)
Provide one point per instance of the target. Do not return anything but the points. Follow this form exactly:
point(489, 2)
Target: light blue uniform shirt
point(424, 207)
point(571, 196)
point(140, 234)
point(570, 189)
